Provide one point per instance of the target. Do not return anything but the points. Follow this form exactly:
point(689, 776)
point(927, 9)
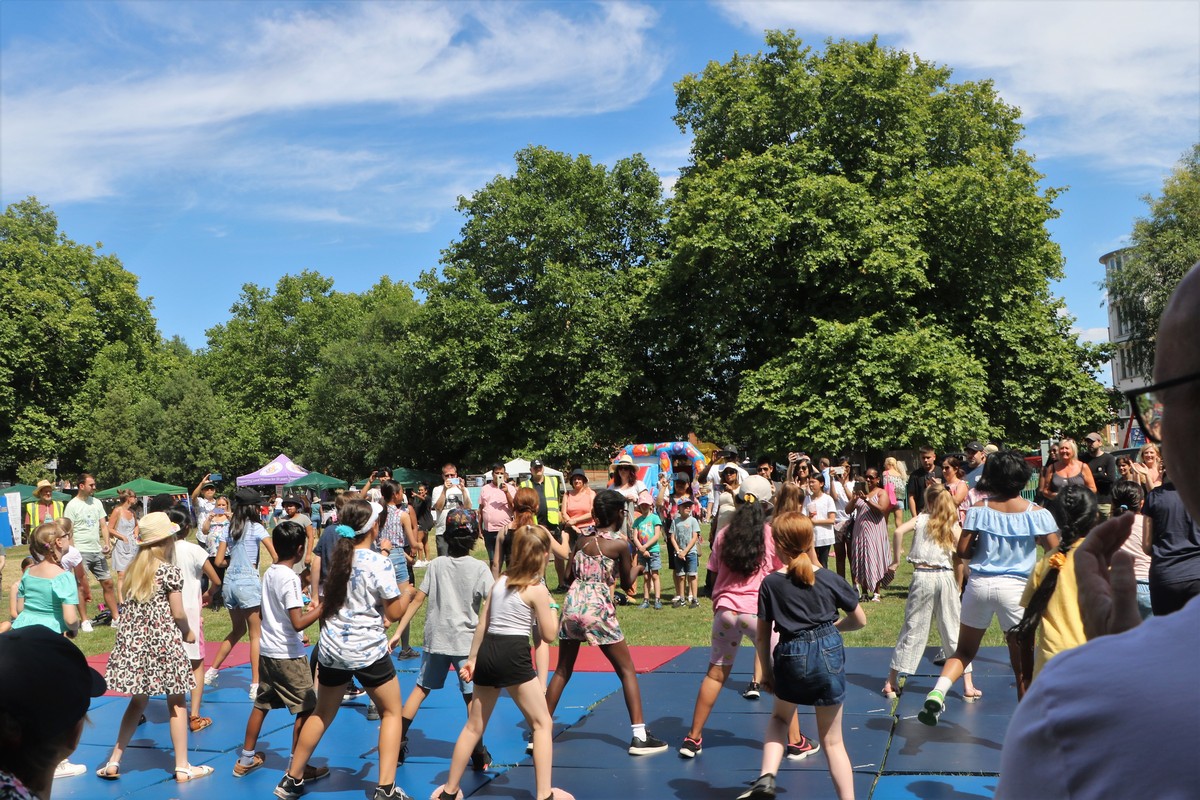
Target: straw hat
point(154, 528)
point(43, 487)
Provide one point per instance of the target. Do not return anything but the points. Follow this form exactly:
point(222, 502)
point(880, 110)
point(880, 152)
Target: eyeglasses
point(1148, 411)
point(764, 469)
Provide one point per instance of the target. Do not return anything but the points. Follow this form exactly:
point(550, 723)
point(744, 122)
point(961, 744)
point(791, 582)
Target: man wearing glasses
point(451, 494)
point(90, 528)
point(1055, 715)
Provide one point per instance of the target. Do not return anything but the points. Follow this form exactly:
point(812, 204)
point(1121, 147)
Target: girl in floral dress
point(148, 656)
point(588, 614)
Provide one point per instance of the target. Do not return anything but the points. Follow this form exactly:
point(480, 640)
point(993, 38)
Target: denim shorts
point(688, 565)
point(434, 669)
point(652, 562)
point(241, 591)
point(399, 564)
point(810, 669)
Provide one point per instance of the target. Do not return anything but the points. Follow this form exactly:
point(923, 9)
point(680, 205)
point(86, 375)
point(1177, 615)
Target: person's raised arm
point(898, 541)
point(200, 485)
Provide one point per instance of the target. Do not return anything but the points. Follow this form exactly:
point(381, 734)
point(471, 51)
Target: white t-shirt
point(820, 508)
point(280, 592)
point(71, 559)
point(454, 499)
point(355, 637)
point(190, 558)
point(86, 517)
point(203, 509)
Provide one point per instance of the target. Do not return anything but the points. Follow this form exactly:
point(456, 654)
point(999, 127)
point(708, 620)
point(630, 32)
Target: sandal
point(972, 696)
point(198, 723)
point(889, 692)
point(104, 772)
point(190, 773)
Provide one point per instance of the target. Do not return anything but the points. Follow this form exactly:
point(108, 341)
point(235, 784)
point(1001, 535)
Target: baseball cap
point(682, 476)
point(729, 468)
point(973, 446)
point(537, 462)
point(758, 486)
point(1094, 437)
point(644, 499)
point(687, 501)
point(36, 650)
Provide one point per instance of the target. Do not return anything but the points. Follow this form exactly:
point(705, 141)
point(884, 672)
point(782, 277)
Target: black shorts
point(503, 661)
point(376, 674)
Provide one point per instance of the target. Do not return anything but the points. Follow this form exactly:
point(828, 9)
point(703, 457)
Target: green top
point(44, 599)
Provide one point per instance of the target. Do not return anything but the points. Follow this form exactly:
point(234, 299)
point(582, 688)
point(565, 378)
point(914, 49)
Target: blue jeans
point(1143, 598)
point(399, 564)
point(810, 668)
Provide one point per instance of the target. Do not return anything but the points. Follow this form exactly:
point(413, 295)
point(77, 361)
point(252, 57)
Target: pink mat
point(646, 658)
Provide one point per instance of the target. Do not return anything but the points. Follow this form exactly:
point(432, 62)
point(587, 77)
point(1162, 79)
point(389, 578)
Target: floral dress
point(588, 614)
point(148, 655)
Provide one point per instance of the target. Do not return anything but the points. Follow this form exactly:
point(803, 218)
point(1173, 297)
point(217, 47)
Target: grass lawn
point(670, 626)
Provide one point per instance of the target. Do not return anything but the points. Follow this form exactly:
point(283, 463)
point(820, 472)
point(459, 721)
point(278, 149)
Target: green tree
point(1164, 246)
point(68, 306)
point(118, 443)
point(534, 339)
point(861, 183)
point(263, 359)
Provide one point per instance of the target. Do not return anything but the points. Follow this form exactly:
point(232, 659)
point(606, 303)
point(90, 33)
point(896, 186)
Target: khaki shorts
point(285, 683)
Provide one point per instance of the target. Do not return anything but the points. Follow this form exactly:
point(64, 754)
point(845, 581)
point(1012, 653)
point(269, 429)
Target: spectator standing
point(1104, 471)
point(495, 508)
point(895, 480)
point(919, 479)
point(974, 454)
point(90, 532)
point(451, 494)
point(549, 491)
point(1174, 549)
point(203, 503)
point(423, 508)
point(42, 508)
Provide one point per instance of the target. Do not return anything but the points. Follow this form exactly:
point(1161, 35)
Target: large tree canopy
point(69, 314)
point(533, 339)
point(860, 186)
point(1164, 246)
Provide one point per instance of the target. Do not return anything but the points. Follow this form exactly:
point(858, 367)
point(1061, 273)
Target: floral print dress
point(148, 655)
point(588, 613)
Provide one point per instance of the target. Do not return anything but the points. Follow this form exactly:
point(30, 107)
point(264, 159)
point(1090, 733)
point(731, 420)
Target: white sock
point(639, 730)
point(247, 758)
point(943, 685)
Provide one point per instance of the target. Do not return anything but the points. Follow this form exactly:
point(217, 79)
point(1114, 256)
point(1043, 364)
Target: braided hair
point(1080, 510)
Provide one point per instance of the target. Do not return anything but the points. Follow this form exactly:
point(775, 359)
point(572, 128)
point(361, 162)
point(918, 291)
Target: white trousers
point(932, 592)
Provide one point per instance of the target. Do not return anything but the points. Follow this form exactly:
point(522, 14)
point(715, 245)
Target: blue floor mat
point(934, 787)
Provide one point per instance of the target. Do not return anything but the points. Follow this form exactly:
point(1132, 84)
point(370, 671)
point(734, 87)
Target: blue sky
point(209, 144)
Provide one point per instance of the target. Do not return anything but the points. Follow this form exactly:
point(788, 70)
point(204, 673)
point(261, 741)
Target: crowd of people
point(1096, 577)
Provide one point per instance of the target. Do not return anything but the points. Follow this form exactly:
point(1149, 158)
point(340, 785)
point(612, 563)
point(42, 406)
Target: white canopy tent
point(519, 466)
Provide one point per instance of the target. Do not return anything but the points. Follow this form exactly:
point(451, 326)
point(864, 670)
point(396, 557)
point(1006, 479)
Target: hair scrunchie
point(346, 531)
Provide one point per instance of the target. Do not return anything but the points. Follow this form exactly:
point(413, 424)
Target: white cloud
point(1094, 335)
point(1115, 83)
point(262, 98)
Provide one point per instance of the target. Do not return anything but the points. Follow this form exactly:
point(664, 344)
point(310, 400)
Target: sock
point(943, 685)
point(247, 758)
point(639, 730)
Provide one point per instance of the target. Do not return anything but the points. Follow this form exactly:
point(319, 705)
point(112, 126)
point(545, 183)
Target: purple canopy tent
point(279, 471)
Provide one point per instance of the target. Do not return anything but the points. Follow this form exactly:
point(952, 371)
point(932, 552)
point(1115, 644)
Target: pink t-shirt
point(493, 503)
point(739, 593)
point(1133, 546)
point(574, 505)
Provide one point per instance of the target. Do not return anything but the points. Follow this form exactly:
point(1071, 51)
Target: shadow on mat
point(944, 790)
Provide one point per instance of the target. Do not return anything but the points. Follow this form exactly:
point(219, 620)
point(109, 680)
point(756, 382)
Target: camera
point(456, 481)
point(214, 476)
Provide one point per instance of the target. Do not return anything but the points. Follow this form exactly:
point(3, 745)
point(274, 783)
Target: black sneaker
point(395, 793)
point(403, 751)
point(691, 747)
point(798, 751)
point(289, 788)
point(647, 746)
point(481, 759)
point(372, 712)
point(761, 789)
point(352, 691)
point(751, 691)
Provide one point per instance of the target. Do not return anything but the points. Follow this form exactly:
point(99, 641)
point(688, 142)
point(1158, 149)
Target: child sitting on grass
point(647, 528)
point(284, 678)
point(456, 586)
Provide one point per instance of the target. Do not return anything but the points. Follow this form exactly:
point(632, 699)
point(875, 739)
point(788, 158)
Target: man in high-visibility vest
point(549, 491)
point(42, 508)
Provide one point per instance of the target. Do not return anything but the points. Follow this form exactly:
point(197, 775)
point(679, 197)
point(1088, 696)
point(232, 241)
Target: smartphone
point(456, 481)
point(214, 476)
point(496, 479)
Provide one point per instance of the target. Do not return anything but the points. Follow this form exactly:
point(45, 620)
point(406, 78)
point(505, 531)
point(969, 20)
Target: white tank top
point(508, 614)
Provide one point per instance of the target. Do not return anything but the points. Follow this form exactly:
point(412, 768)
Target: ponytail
point(792, 533)
point(1079, 507)
point(355, 514)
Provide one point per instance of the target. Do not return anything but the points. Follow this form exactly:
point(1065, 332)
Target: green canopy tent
point(143, 487)
point(27, 493)
point(316, 480)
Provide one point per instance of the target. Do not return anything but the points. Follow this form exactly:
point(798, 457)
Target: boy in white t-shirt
point(822, 510)
point(285, 680)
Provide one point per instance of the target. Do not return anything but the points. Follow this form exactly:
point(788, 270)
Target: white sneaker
point(66, 769)
point(253, 690)
point(210, 677)
point(86, 626)
point(420, 564)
